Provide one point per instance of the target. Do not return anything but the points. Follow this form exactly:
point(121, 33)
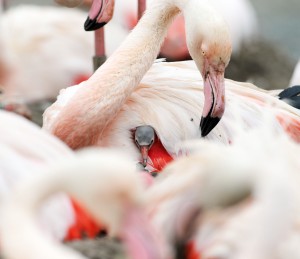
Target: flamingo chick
point(144, 137)
point(94, 178)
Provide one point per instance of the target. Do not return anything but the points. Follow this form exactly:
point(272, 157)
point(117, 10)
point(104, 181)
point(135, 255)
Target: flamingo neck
point(97, 103)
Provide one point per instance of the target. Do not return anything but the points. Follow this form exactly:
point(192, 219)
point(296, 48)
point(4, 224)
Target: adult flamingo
point(172, 110)
point(112, 84)
point(94, 178)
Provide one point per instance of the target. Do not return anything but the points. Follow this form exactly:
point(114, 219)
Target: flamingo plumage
point(172, 110)
point(43, 50)
point(93, 177)
point(25, 151)
point(99, 99)
point(243, 206)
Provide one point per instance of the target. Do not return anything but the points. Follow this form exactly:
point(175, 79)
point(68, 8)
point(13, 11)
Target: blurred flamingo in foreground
point(196, 204)
point(43, 49)
point(26, 150)
point(244, 206)
point(94, 178)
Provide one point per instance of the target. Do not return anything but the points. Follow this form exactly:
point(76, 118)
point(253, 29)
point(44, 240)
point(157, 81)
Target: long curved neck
point(123, 71)
point(97, 103)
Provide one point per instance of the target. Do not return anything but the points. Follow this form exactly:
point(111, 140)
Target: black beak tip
point(207, 124)
point(92, 25)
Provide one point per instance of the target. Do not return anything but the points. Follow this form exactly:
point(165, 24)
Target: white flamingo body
point(26, 150)
point(170, 98)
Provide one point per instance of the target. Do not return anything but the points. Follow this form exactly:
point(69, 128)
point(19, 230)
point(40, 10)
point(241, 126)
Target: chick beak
point(100, 14)
point(144, 151)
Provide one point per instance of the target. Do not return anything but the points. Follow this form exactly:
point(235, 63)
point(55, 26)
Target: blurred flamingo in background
point(92, 177)
point(43, 49)
point(196, 204)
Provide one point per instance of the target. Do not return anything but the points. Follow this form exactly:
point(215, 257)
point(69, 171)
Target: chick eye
point(203, 52)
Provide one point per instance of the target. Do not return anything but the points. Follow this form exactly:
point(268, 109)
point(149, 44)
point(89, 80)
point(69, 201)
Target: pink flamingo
point(103, 110)
point(110, 87)
point(87, 177)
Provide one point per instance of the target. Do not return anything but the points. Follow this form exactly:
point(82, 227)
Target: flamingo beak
point(100, 14)
point(144, 152)
point(214, 104)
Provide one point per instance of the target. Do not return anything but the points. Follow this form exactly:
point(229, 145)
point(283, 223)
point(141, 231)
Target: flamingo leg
point(100, 56)
point(141, 8)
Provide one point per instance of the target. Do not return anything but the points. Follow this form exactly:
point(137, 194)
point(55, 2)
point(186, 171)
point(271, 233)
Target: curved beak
point(144, 152)
point(214, 103)
point(100, 14)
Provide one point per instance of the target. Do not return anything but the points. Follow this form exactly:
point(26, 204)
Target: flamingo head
point(213, 70)
point(209, 44)
point(144, 137)
point(100, 14)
